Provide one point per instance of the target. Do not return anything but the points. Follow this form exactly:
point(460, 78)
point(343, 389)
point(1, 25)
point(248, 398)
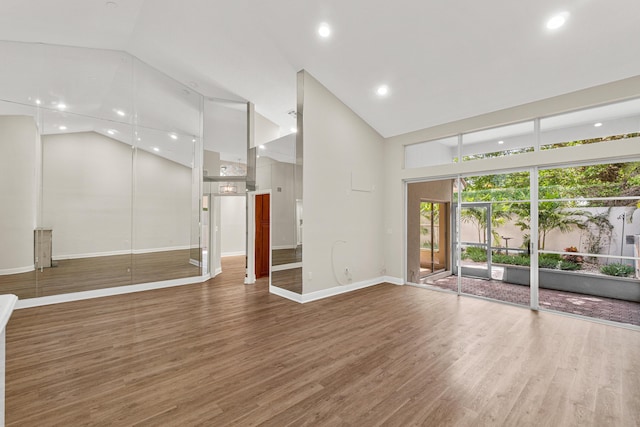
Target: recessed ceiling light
point(62, 127)
point(156, 149)
point(38, 102)
point(111, 4)
point(262, 147)
point(120, 113)
point(193, 140)
point(257, 157)
point(293, 130)
point(382, 90)
point(61, 106)
point(111, 132)
point(139, 139)
point(501, 142)
point(598, 124)
point(557, 21)
point(173, 136)
point(324, 30)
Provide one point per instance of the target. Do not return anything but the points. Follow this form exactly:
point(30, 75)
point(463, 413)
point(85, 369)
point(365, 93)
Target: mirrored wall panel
point(100, 156)
point(277, 170)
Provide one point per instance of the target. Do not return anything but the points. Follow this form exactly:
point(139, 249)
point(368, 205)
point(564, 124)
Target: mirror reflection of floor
point(290, 280)
point(85, 274)
point(286, 256)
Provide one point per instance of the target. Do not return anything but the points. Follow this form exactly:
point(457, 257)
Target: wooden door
point(263, 248)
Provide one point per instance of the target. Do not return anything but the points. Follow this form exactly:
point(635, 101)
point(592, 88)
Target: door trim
point(250, 273)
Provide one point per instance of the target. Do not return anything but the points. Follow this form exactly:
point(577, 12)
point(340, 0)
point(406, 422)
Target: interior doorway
point(428, 230)
point(262, 235)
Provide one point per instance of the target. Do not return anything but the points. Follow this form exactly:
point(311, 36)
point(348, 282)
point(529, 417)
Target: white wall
point(19, 141)
point(233, 225)
point(339, 146)
point(87, 198)
point(394, 153)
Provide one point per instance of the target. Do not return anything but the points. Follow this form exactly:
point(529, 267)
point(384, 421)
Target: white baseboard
point(237, 253)
point(336, 290)
point(218, 271)
point(17, 270)
point(286, 294)
point(77, 296)
point(393, 280)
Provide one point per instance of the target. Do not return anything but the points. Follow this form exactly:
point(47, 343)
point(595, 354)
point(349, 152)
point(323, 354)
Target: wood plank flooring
point(227, 354)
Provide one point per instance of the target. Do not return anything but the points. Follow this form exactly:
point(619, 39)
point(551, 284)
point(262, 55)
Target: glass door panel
point(475, 240)
point(434, 256)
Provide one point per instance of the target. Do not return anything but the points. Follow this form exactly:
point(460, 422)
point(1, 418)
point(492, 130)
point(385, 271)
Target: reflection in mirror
point(225, 173)
point(277, 170)
point(111, 193)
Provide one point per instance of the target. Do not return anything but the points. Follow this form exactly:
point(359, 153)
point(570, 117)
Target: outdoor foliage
point(620, 270)
point(551, 261)
point(508, 194)
point(475, 254)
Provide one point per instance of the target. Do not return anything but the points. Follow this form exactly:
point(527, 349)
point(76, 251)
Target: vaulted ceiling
point(442, 60)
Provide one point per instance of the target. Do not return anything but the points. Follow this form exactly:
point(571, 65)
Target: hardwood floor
point(100, 273)
point(223, 353)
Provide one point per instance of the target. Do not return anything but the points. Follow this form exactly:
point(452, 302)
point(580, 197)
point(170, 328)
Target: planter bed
point(622, 288)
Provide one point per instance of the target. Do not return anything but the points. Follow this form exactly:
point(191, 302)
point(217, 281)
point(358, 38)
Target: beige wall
point(394, 153)
point(342, 226)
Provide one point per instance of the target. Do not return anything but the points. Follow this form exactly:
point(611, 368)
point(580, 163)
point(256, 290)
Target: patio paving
point(567, 302)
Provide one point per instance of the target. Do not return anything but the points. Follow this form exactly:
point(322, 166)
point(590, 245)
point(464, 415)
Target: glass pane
point(86, 202)
point(497, 142)
point(87, 82)
point(225, 138)
point(495, 217)
point(431, 153)
point(164, 104)
point(609, 122)
point(589, 225)
point(20, 167)
point(164, 210)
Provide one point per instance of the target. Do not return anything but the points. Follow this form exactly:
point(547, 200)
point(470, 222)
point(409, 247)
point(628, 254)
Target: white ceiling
point(443, 61)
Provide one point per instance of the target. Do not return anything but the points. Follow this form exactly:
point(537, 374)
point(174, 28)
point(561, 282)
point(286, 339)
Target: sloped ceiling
point(443, 61)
